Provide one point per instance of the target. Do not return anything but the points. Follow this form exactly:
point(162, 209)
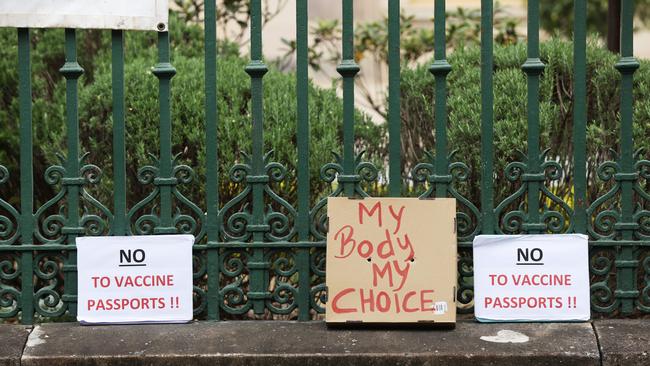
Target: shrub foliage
point(510, 121)
point(142, 118)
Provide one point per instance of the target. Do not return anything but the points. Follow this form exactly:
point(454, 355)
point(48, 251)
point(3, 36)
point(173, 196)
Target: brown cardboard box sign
point(391, 260)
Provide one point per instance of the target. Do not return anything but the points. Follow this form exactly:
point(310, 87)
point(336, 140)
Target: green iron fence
point(259, 254)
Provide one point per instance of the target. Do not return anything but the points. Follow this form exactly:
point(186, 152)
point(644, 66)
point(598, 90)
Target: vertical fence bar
point(348, 69)
point(164, 71)
point(212, 160)
point(580, 117)
point(614, 25)
point(26, 174)
point(440, 69)
point(119, 129)
point(394, 116)
point(626, 263)
point(256, 69)
point(71, 71)
point(487, 118)
point(533, 68)
point(302, 96)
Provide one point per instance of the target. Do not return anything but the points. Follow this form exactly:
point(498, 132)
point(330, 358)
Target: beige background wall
point(283, 26)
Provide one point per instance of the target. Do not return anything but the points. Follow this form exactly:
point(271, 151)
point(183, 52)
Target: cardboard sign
point(391, 260)
point(94, 14)
point(135, 279)
point(531, 278)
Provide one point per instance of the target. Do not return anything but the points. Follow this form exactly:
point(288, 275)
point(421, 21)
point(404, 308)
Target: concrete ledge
point(12, 342)
point(291, 343)
point(624, 342)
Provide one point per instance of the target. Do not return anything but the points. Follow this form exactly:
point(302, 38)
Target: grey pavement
point(606, 342)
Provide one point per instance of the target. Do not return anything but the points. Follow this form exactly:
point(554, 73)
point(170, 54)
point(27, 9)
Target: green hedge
point(510, 122)
point(417, 110)
point(95, 106)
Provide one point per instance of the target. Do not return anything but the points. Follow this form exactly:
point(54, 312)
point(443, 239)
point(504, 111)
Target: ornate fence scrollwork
point(601, 267)
point(239, 226)
point(9, 224)
point(644, 300)
point(514, 213)
point(283, 292)
point(47, 299)
point(144, 216)
point(9, 284)
point(199, 270)
point(642, 215)
point(236, 215)
point(603, 212)
point(51, 217)
point(467, 216)
point(318, 293)
point(333, 173)
point(235, 272)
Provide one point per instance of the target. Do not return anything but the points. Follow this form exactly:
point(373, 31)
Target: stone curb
point(311, 343)
point(624, 342)
point(12, 343)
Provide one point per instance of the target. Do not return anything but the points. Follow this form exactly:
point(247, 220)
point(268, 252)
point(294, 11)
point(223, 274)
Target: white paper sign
point(135, 279)
point(531, 278)
point(94, 14)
